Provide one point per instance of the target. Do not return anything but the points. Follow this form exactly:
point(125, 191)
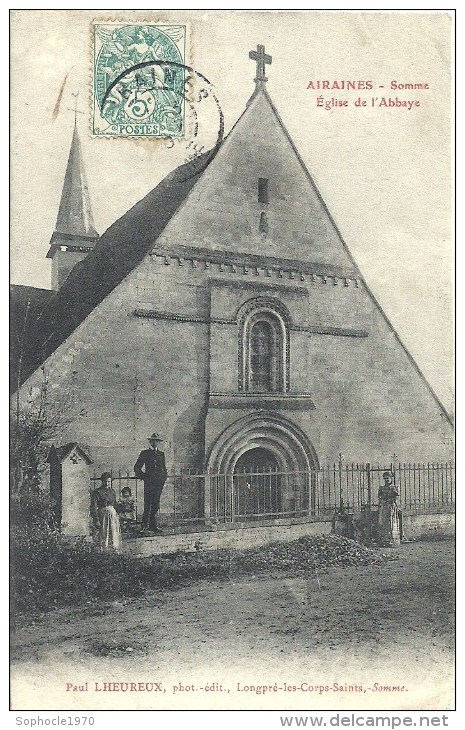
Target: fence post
point(230, 480)
point(341, 497)
point(368, 471)
point(207, 481)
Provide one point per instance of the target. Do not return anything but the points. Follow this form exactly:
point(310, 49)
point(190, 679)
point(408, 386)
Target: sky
point(384, 172)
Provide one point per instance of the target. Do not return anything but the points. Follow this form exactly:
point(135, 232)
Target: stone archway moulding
point(270, 431)
point(277, 314)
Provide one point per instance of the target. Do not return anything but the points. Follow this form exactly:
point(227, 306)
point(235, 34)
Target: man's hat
point(387, 473)
point(155, 437)
point(106, 475)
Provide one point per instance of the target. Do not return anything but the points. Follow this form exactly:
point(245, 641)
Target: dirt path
point(336, 637)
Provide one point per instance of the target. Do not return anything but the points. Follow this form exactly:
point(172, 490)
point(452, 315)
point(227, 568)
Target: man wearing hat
point(150, 466)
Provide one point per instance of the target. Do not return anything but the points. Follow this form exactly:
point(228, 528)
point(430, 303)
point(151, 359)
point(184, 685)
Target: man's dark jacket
point(153, 464)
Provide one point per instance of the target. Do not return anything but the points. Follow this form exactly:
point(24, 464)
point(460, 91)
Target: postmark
point(139, 80)
point(202, 110)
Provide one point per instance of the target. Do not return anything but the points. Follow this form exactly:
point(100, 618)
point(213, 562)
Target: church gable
point(226, 296)
point(257, 197)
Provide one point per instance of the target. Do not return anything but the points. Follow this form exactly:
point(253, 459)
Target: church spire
point(75, 212)
point(74, 235)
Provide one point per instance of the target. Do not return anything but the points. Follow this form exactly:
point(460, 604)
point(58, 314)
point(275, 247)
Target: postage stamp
point(138, 80)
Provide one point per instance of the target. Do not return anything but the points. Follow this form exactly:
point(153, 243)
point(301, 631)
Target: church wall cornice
point(281, 401)
point(269, 267)
point(310, 329)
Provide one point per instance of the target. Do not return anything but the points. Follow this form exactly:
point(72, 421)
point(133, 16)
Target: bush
point(33, 510)
point(48, 571)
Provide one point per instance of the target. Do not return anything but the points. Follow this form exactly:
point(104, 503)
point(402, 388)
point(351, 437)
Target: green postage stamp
point(138, 80)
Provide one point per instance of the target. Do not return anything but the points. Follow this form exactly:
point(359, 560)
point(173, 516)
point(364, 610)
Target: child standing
point(127, 509)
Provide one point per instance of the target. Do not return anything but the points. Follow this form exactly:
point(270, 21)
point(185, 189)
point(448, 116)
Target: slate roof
point(122, 247)
point(26, 306)
point(21, 295)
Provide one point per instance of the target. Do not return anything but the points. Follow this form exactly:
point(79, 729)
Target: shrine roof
point(61, 453)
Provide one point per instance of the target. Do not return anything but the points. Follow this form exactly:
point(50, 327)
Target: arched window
point(261, 355)
point(263, 346)
point(264, 356)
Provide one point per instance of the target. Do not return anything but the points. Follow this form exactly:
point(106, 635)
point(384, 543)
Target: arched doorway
point(259, 444)
point(257, 485)
point(271, 431)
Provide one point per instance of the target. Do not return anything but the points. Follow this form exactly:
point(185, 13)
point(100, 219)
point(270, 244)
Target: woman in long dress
point(104, 514)
point(389, 528)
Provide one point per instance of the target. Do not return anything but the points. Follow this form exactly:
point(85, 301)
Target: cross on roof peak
point(75, 109)
point(261, 59)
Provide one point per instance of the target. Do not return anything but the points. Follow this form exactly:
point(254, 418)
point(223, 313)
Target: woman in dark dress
point(389, 527)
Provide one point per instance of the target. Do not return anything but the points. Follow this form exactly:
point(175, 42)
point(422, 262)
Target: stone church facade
point(225, 311)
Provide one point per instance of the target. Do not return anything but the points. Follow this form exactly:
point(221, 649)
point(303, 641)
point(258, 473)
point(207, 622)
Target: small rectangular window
point(263, 190)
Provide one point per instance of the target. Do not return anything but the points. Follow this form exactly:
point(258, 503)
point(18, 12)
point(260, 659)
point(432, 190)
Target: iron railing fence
point(248, 496)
